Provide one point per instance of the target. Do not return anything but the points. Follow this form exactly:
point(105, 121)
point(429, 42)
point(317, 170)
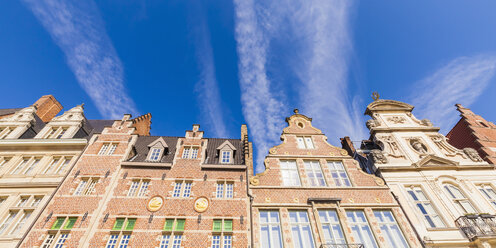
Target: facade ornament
point(375, 95)
point(397, 119)
point(472, 154)
point(390, 146)
point(201, 204)
point(155, 203)
point(372, 123)
point(418, 146)
point(273, 150)
point(444, 146)
point(426, 122)
point(254, 180)
point(378, 156)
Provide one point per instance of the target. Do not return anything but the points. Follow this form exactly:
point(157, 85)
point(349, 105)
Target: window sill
point(440, 229)
point(223, 166)
point(146, 164)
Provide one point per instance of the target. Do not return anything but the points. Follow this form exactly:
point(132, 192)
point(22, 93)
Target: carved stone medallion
point(472, 154)
point(155, 203)
point(201, 204)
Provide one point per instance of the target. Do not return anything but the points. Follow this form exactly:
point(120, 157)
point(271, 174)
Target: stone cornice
point(42, 142)
point(450, 167)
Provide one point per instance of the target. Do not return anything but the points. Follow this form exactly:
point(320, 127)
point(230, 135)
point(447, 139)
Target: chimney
point(143, 124)
point(47, 107)
point(348, 145)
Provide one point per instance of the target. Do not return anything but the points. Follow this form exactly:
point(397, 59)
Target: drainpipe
point(408, 219)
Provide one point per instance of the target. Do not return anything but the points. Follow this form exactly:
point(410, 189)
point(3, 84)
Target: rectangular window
point(86, 186)
point(270, 229)
point(51, 167)
point(224, 190)
point(425, 207)
point(20, 166)
point(304, 142)
point(107, 149)
point(8, 219)
point(226, 157)
point(59, 231)
point(124, 226)
point(61, 169)
point(36, 201)
point(289, 173)
point(338, 174)
point(301, 230)
point(360, 228)
point(61, 133)
point(314, 173)
point(222, 230)
point(489, 193)
point(182, 189)
point(333, 233)
point(172, 233)
point(3, 161)
point(31, 166)
point(190, 152)
point(140, 184)
point(155, 154)
point(390, 229)
point(56, 133)
point(103, 149)
point(20, 222)
point(4, 132)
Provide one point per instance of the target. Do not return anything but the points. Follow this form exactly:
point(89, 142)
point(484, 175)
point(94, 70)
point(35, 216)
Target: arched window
point(461, 201)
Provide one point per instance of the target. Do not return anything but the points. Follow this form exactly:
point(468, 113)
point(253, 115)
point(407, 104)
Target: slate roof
point(8, 111)
point(212, 156)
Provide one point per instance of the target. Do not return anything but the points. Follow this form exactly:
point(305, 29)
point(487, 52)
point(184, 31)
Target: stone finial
point(375, 96)
point(296, 111)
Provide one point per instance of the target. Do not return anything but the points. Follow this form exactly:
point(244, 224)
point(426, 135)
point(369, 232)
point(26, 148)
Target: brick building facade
point(313, 194)
point(150, 191)
point(474, 131)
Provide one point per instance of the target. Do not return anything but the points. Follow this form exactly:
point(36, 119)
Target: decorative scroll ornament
point(155, 203)
point(444, 146)
point(378, 156)
point(375, 96)
point(254, 180)
point(426, 122)
point(201, 204)
point(472, 154)
point(396, 119)
point(390, 146)
point(372, 123)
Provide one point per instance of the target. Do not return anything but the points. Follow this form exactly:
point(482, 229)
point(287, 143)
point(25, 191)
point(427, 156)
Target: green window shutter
point(169, 223)
point(119, 222)
point(180, 225)
point(217, 227)
point(58, 223)
point(130, 224)
point(228, 226)
point(70, 223)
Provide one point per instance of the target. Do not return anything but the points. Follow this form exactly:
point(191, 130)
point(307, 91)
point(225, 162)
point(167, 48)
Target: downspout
point(408, 219)
point(51, 196)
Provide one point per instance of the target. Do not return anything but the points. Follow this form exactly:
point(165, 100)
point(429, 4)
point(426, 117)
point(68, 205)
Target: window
point(172, 233)
point(333, 233)
point(224, 190)
point(57, 165)
point(314, 173)
point(3, 161)
point(4, 132)
point(55, 133)
point(36, 201)
point(155, 154)
point(460, 200)
point(142, 185)
point(222, 230)
point(59, 232)
point(226, 157)
point(182, 189)
point(289, 173)
point(190, 152)
point(338, 174)
point(20, 222)
point(107, 149)
point(270, 229)
point(304, 142)
point(360, 228)
point(121, 232)
point(301, 230)
point(390, 229)
point(7, 221)
point(26, 165)
point(489, 193)
point(19, 214)
point(86, 186)
point(425, 207)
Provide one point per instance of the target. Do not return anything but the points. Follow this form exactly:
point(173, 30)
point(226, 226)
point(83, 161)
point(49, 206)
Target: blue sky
point(225, 63)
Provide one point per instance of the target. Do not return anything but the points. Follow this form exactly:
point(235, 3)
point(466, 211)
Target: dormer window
point(226, 157)
point(226, 153)
point(157, 148)
point(56, 132)
point(4, 132)
point(190, 152)
point(305, 142)
point(155, 154)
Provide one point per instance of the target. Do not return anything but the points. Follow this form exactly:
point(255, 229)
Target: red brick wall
point(47, 107)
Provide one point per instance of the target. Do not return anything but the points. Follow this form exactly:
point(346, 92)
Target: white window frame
point(220, 240)
point(360, 226)
point(56, 132)
point(57, 165)
point(226, 156)
point(272, 227)
point(423, 203)
point(56, 239)
point(301, 225)
point(4, 161)
point(331, 226)
point(339, 174)
point(224, 190)
point(462, 202)
point(155, 154)
point(313, 169)
point(7, 221)
point(390, 229)
point(190, 152)
point(20, 222)
point(170, 240)
point(118, 239)
point(487, 190)
point(289, 173)
point(108, 148)
point(5, 131)
point(86, 186)
point(305, 142)
point(138, 188)
point(182, 189)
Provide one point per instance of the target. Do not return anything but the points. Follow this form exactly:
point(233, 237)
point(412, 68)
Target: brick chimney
point(47, 107)
point(143, 124)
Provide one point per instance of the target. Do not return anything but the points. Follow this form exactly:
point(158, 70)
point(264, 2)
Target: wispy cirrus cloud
point(261, 109)
point(462, 80)
point(78, 30)
point(207, 87)
point(323, 28)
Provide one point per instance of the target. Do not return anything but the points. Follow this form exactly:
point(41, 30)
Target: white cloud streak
point(78, 30)
point(262, 111)
point(324, 30)
point(462, 80)
point(207, 88)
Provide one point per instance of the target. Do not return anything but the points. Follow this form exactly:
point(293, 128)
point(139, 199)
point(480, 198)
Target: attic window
point(226, 156)
point(225, 152)
point(155, 154)
point(156, 149)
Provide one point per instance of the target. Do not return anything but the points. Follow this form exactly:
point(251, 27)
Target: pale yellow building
point(448, 194)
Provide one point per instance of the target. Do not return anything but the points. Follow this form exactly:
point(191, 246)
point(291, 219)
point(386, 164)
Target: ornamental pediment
point(435, 161)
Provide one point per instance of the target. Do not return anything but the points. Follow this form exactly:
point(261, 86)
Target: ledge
point(146, 164)
point(42, 142)
point(223, 167)
point(332, 199)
